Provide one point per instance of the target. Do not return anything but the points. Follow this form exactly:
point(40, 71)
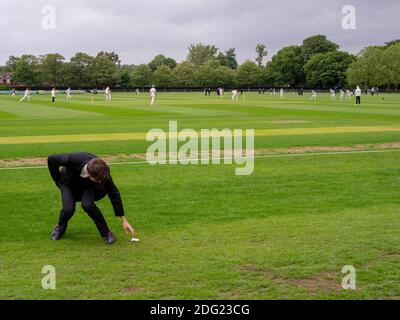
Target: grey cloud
point(138, 30)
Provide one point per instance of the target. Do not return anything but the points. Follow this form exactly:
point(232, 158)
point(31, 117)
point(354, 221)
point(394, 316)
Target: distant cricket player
point(235, 96)
point(333, 94)
point(281, 93)
point(341, 94)
point(68, 93)
point(13, 92)
point(358, 95)
point(348, 94)
point(107, 93)
point(313, 95)
point(27, 95)
point(53, 95)
point(83, 177)
point(153, 94)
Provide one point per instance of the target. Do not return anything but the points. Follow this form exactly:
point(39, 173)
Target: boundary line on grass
point(224, 158)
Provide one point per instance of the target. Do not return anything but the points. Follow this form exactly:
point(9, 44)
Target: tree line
point(316, 63)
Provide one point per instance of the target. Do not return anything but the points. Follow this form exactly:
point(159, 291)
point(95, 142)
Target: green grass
point(284, 232)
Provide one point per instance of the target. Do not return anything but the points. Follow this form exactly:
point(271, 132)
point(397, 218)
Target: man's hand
point(127, 227)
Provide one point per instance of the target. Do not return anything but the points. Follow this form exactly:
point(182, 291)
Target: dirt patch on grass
point(329, 281)
point(31, 162)
point(307, 149)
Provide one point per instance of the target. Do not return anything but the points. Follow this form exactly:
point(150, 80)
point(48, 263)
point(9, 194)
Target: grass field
point(325, 193)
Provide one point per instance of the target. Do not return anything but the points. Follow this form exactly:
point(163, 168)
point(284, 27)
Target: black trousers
point(87, 195)
point(53, 99)
point(358, 100)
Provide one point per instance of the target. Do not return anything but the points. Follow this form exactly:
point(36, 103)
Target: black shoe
point(57, 233)
point(110, 238)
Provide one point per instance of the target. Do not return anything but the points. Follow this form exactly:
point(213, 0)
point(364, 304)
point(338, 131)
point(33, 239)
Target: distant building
point(5, 78)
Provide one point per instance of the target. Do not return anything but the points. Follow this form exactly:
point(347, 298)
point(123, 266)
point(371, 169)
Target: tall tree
point(391, 65)
point(262, 52)
point(162, 77)
point(328, 70)
point(249, 74)
point(81, 66)
point(286, 67)
point(228, 58)
point(141, 76)
point(184, 75)
point(367, 69)
point(161, 60)
point(113, 56)
point(105, 70)
point(206, 75)
point(26, 70)
point(125, 72)
point(317, 44)
point(199, 54)
point(51, 67)
point(225, 77)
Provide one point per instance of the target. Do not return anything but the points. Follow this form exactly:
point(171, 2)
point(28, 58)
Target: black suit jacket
point(73, 164)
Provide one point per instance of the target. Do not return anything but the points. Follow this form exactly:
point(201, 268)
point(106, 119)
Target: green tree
point(184, 75)
point(81, 66)
point(391, 65)
point(206, 75)
point(267, 76)
point(228, 58)
point(367, 70)
point(262, 52)
point(317, 44)
point(161, 60)
point(199, 54)
point(249, 74)
point(26, 70)
point(163, 77)
point(391, 43)
point(51, 68)
point(11, 62)
point(113, 56)
point(286, 67)
point(225, 77)
point(65, 75)
point(141, 76)
point(125, 72)
point(328, 70)
point(104, 70)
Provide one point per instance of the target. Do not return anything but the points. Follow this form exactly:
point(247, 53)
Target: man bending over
point(83, 177)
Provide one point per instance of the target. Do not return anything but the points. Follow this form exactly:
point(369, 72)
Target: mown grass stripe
point(142, 135)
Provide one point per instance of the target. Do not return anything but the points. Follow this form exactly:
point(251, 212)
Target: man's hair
point(99, 170)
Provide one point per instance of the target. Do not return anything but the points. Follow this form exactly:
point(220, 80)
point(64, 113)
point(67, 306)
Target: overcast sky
point(139, 30)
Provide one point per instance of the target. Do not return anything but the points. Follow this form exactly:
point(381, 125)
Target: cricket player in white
point(107, 93)
point(341, 94)
point(53, 95)
point(281, 92)
point(333, 94)
point(348, 95)
point(313, 95)
point(235, 96)
point(27, 95)
point(153, 93)
point(68, 93)
point(358, 95)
